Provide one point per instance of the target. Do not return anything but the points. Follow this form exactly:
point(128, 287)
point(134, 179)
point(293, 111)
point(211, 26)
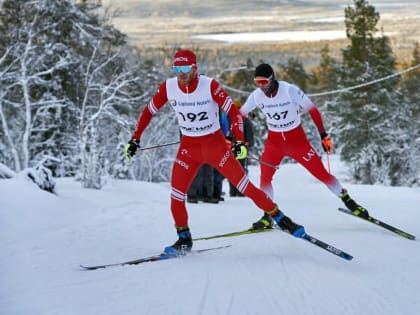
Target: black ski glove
point(131, 148)
point(240, 150)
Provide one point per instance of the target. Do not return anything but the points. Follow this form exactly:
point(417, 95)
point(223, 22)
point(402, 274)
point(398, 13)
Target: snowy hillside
point(44, 238)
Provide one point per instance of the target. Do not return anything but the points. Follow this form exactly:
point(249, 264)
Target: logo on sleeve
point(219, 91)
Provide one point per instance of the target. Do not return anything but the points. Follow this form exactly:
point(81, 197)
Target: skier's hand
point(131, 148)
point(327, 144)
point(240, 150)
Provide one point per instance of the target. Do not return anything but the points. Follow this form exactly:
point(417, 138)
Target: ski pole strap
point(159, 146)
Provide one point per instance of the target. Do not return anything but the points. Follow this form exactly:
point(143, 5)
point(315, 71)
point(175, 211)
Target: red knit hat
point(184, 57)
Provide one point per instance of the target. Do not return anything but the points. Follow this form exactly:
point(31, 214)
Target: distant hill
point(172, 23)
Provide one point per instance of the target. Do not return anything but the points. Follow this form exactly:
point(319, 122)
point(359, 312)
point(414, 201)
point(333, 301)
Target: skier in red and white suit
point(197, 100)
point(281, 104)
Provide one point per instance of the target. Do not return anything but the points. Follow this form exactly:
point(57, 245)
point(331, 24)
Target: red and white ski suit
point(286, 136)
point(197, 108)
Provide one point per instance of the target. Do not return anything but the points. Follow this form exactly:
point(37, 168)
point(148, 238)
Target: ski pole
point(262, 162)
point(159, 146)
point(328, 163)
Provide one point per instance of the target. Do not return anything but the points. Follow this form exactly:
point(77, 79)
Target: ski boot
point(182, 245)
point(286, 224)
point(265, 223)
point(353, 206)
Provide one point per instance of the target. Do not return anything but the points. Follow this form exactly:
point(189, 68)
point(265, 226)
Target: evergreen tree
point(241, 78)
point(409, 106)
point(324, 77)
point(411, 81)
point(366, 115)
point(294, 72)
point(324, 80)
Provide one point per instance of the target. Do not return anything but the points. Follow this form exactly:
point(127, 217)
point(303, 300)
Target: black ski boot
point(182, 245)
point(286, 224)
point(265, 223)
point(357, 210)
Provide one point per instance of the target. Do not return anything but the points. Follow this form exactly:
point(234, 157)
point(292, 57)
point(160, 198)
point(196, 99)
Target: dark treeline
point(71, 89)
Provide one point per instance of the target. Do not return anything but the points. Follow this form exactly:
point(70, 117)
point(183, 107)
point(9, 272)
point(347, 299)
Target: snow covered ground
point(44, 238)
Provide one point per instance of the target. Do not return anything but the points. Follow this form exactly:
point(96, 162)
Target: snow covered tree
point(149, 165)
point(29, 102)
point(409, 106)
point(156, 165)
point(367, 115)
point(324, 80)
point(106, 88)
point(68, 85)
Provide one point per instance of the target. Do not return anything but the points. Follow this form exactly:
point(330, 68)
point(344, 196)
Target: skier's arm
point(156, 103)
point(248, 106)
point(304, 102)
